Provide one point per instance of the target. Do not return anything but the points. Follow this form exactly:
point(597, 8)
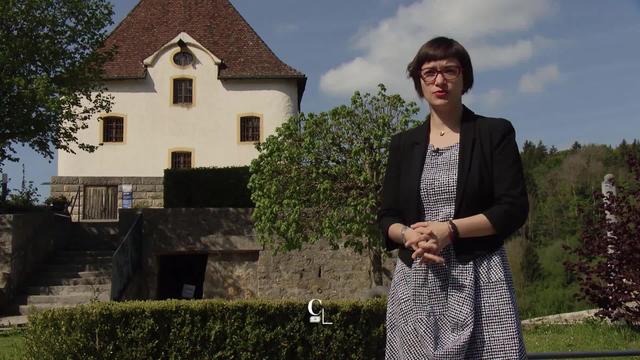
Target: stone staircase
point(78, 274)
point(70, 277)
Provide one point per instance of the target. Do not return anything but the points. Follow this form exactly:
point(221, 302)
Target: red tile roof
point(215, 24)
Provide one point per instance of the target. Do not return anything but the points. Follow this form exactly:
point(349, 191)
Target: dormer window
point(183, 91)
point(183, 58)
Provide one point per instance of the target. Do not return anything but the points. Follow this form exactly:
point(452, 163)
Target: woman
point(453, 192)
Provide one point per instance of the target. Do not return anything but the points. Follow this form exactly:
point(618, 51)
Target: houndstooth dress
point(452, 310)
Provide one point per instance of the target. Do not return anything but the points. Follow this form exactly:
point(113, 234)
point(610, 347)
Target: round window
point(183, 58)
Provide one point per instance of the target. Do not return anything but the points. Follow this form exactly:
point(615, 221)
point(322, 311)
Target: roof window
point(183, 58)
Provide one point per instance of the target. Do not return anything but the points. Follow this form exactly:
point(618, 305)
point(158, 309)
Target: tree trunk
point(375, 256)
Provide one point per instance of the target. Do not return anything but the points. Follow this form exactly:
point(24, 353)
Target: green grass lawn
point(11, 343)
point(590, 336)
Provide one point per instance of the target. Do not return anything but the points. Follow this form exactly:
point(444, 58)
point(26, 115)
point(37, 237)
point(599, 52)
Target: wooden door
point(100, 202)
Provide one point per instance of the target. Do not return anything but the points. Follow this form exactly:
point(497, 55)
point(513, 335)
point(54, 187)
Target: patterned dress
point(452, 310)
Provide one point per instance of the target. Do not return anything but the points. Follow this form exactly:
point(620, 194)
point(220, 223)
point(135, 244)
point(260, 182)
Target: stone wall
point(148, 192)
point(240, 268)
point(25, 240)
point(320, 272)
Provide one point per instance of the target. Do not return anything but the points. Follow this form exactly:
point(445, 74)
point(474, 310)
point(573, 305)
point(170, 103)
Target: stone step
point(71, 268)
point(86, 253)
point(80, 259)
point(71, 274)
point(17, 309)
point(57, 281)
point(75, 299)
point(67, 289)
point(91, 246)
point(29, 309)
point(9, 323)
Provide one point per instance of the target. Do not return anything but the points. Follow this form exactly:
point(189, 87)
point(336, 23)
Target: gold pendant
point(441, 133)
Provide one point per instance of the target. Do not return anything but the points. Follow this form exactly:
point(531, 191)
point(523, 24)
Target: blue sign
point(127, 196)
point(127, 199)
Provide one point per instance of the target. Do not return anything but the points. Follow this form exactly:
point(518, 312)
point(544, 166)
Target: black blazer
point(490, 181)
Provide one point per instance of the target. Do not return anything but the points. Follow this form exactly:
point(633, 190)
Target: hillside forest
point(561, 186)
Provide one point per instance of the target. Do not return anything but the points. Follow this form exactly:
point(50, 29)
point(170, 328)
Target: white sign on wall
point(188, 291)
point(127, 196)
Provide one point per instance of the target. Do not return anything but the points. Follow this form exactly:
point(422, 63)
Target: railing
point(583, 355)
point(126, 259)
point(73, 205)
point(68, 213)
point(76, 197)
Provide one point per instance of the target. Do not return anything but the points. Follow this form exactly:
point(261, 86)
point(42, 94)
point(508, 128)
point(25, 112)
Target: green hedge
point(207, 187)
point(208, 329)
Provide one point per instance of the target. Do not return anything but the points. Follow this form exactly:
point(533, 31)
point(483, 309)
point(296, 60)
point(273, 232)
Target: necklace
point(441, 132)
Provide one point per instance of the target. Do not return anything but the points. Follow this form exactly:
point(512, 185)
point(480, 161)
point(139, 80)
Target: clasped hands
point(427, 239)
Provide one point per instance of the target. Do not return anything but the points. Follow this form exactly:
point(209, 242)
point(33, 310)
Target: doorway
point(181, 276)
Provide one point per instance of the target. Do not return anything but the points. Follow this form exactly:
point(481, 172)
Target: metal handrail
point(583, 354)
point(73, 204)
point(126, 259)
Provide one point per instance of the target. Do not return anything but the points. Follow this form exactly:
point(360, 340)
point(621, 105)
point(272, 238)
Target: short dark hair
point(441, 48)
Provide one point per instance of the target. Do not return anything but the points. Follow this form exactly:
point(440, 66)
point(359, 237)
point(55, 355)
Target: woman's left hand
point(438, 230)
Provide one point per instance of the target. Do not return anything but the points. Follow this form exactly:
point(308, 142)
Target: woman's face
point(442, 82)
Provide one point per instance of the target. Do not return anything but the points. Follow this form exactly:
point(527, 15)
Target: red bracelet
point(453, 231)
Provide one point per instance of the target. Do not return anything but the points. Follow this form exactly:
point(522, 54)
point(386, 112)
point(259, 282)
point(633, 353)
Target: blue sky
point(561, 71)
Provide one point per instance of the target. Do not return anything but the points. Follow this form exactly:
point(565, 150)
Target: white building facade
point(184, 103)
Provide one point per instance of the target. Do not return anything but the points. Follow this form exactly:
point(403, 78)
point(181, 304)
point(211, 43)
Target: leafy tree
point(532, 156)
point(26, 196)
point(609, 252)
point(625, 150)
point(50, 72)
point(320, 176)
point(576, 146)
point(561, 198)
point(530, 264)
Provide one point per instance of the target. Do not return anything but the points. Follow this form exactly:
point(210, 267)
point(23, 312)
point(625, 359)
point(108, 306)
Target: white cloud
point(388, 47)
point(487, 57)
point(489, 99)
point(368, 75)
point(494, 97)
point(537, 80)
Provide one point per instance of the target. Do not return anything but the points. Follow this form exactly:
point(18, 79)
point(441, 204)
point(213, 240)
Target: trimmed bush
point(207, 187)
point(208, 329)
